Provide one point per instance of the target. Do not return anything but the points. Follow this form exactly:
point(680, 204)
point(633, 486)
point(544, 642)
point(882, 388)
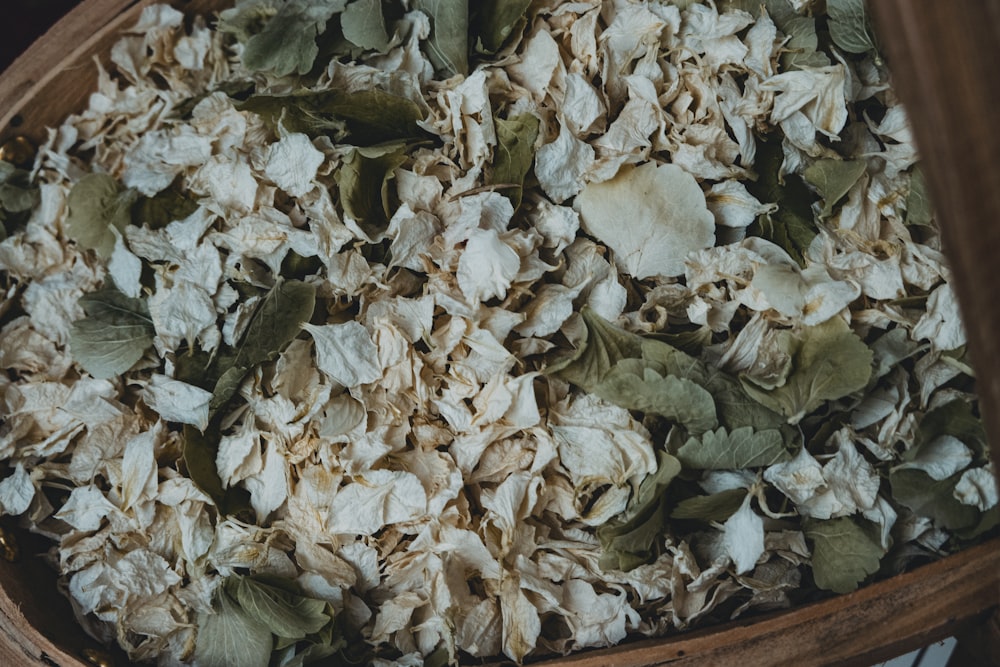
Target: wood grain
point(875, 623)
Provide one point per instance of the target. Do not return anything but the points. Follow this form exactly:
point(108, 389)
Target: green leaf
point(633, 386)
point(18, 196)
point(448, 44)
point(230, 636)
point(833, 179)
point(364, 25)
point(288, 615)
point(367, 116)
point(791, 226)
point(496, 21)
point(163, 208)
point(843, 554)
point(722, 450)
point(849, 26)
point(287, 43)
point(605, 345)
point(115, 333)
point(919, 492)
point(276, 321)
point(514, 153)
point(958, 419)
point(364, 185)
point(716, 507)
point(630, 540)
point(97, 204)
point(199, 451)
point(919, 210)
point(803, 42)
point(830, 363)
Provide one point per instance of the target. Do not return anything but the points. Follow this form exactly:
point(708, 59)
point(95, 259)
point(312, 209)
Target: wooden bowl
point(938, 55)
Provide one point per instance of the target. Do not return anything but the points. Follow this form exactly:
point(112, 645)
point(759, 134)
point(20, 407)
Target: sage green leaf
point(364, 185)
point(448, 44)
point(734, 407)
point(801, 48)
point(919, 492)
point(514, 153)
point(631, 540)
point(287, 614)
point(367, 116)
point(115, 333)
point(603, 347)
point(229, 636)
point(843, 554)
point(247, 18)
point(497, 20)
point(277, 320)
point(849, 26)
point(791, 226)
point(633, 386)
point(715, 507)
point(919, 210)
point(830, 363)
point(160, 210)
point(97, 204)
point(364, 25)
point(287, 43)
point(833, 179)
point(956, 418)
point(743, 448)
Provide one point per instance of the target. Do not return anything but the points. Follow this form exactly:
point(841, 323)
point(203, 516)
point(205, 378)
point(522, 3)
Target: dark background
point(25, 21)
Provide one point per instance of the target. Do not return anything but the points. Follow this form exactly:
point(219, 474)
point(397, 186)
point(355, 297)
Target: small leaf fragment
point(919, 210)
point(634, 387)
point(715, 507)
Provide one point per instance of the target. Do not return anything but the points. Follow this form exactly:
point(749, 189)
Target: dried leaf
point(514, 153)
point(849, 25)
point(497, 20)
point(367, 116)
point(230, 636)
point(364, 185)
point(843, 554)
point(448, 44)
point(364, 25)
point(97, 204)
point(115, 333)
point(287, 614)
point(272, 50)
point(743, 448)
point(715, 507)
point(833, 179)
point(830, 363)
